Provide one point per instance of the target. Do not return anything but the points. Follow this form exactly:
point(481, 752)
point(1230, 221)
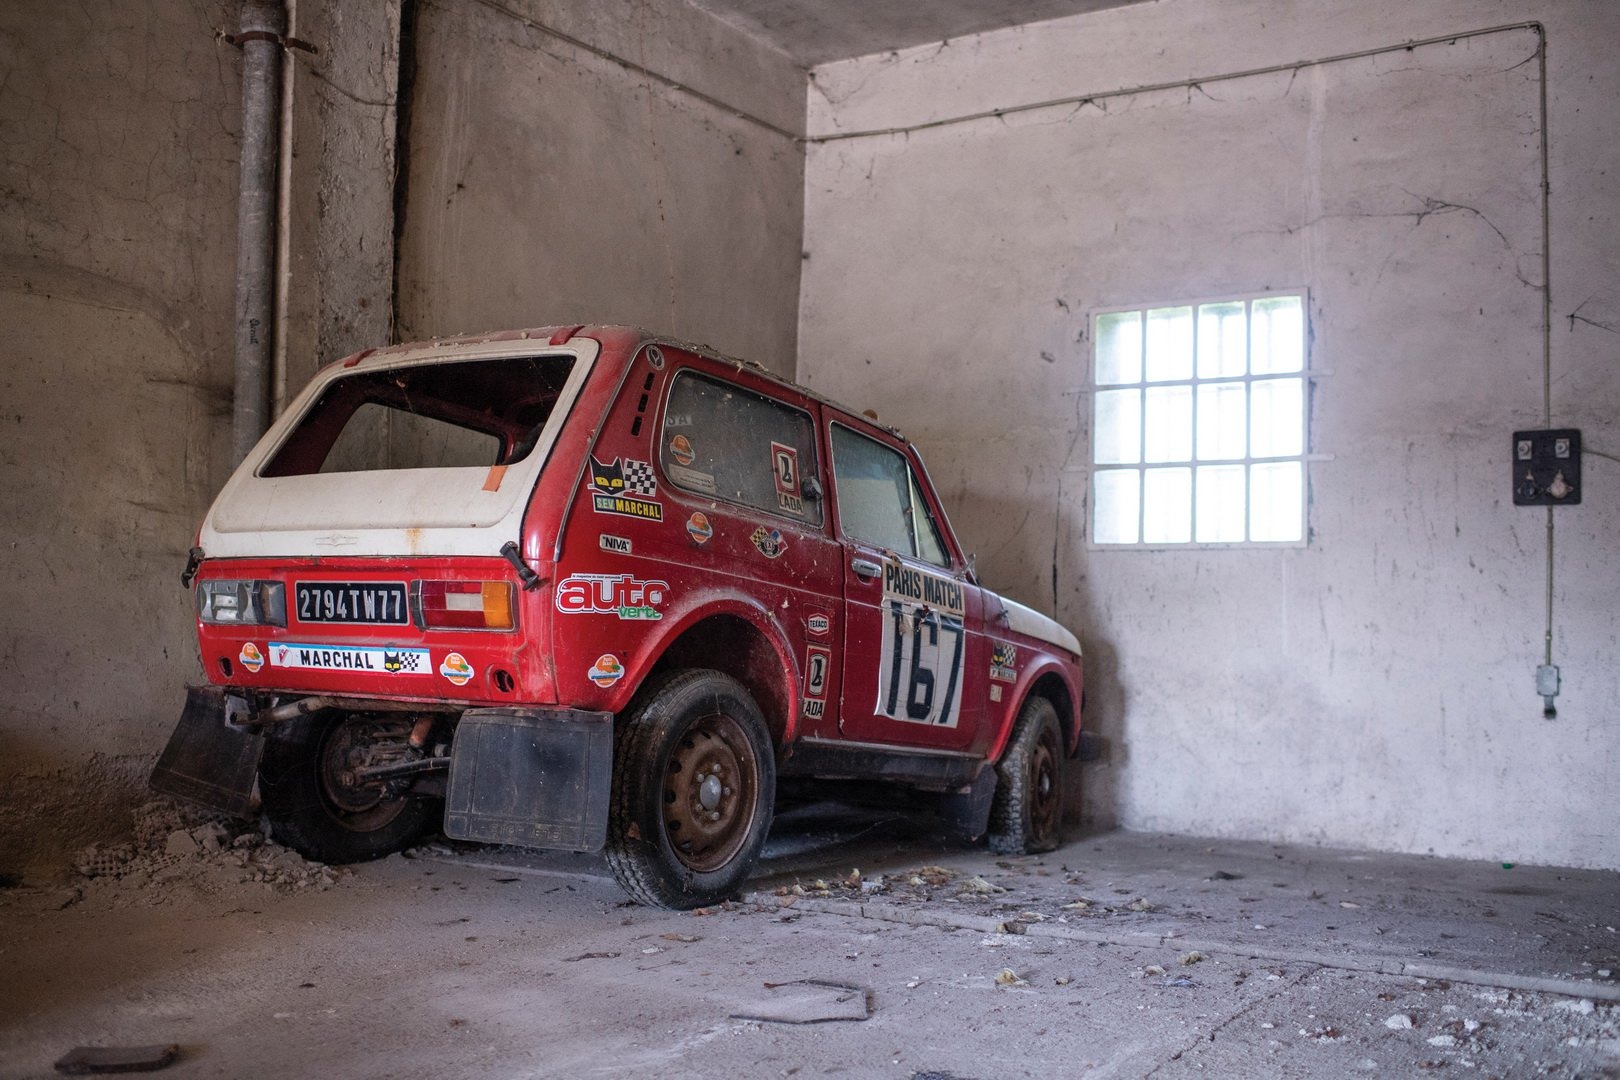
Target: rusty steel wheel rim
point(710, 791)
point(358, 806)
point(1045, 797)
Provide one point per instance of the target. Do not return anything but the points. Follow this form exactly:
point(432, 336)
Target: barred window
point(1198, 423)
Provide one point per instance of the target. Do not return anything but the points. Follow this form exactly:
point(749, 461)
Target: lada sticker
point(817, 662)
point(785, 473)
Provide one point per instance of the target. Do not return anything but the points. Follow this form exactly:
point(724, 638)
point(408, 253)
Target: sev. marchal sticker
point(379, 661)
point(920, 663)
point(623, 595)
point(1004, 662)
point(625, 487)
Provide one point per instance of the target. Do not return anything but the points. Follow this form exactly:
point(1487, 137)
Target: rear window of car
point(733, 444)
point(426, 416)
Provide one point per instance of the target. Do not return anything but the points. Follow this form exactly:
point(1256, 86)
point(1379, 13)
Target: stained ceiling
point(816, 31)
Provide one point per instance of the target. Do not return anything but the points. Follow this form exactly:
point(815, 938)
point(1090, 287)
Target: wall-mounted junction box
point(1547, 467)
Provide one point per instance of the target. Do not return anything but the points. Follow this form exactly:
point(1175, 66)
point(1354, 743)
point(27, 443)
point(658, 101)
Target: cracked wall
point(1374, 689)
point(547, 185)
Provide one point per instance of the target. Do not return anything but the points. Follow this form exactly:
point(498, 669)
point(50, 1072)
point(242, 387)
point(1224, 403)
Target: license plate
point(368, 603)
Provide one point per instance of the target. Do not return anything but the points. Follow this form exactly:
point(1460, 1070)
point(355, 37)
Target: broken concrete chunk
point(1398, 1022)
point(180, 843)
point(1009, 977)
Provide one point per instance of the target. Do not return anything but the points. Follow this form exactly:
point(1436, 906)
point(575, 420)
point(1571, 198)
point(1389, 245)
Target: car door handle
point(865, 568)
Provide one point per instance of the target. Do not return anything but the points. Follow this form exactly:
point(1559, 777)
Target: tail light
point(464, 605)
point(242, 603)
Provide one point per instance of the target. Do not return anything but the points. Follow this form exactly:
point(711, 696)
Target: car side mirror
point(810, 488)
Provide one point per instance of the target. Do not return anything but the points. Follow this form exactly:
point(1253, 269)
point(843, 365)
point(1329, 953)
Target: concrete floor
point(1119, 955)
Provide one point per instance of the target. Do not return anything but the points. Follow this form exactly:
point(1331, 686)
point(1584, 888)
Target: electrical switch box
point(1547, 467)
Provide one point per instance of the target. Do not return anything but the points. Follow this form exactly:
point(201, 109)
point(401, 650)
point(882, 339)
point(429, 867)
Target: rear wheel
point(694, 782)
point(1027, 812)
point(317, 807)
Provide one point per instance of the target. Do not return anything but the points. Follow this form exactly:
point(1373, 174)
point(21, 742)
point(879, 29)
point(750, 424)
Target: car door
point(912, 622)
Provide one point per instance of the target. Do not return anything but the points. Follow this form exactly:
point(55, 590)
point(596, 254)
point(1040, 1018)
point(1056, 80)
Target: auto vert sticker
point(623, 595)
point(921, 661)
point(379, 661)
point(625, 487)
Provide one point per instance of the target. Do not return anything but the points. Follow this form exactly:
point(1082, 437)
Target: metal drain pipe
point(264, 23)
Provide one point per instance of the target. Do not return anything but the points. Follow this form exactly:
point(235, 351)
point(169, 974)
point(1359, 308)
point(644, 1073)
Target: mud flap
point(531, 777)
point(207, 761)
point(967, 810)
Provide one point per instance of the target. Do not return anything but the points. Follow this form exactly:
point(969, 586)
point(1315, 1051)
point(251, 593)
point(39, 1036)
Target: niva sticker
point(250, 657)
point(456, 669)
point(769, 542)
point(611, 594)
point(606, 671)
point(699, 529)
point(616, 544)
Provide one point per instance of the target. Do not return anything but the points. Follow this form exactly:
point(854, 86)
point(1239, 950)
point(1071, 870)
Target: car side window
point(878, 498)
point(733, 444)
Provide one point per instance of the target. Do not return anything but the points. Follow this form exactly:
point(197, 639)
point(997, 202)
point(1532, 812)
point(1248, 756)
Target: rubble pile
point(176, 844)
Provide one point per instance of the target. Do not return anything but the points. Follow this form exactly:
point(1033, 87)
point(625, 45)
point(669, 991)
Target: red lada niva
point(588, 588)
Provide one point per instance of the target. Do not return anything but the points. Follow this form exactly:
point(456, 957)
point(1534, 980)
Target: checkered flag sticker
point(639, 478)
point(402, 661)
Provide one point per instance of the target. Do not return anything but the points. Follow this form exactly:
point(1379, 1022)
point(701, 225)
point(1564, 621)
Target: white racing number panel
point(924, 647)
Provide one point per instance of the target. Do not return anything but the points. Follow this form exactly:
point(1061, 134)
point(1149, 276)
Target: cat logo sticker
point(625, 487)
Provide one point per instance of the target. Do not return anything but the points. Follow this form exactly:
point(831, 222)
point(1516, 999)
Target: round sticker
point(456, 669)
point(607, 670)
point(769, 542)
point(681, 447)
point(698, 528)
point(655, 357)
point(251, 657)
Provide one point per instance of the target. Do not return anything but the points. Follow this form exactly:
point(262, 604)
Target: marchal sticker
point(623, 595)
point(250, 657)
point(456, 669)
point(699, 529)
point(818, 625)
point(616, 544)
point(378, 661)
point(606, 671)
point(680, 448)
point(1004, 662)
point(769, 542)
point(625, 487)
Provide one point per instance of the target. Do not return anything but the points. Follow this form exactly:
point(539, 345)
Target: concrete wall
point(1374, 688)
point(547, 185)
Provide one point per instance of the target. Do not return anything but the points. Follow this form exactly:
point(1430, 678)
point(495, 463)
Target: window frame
point(1305, 374)
point(661, 447)
point(914, 485)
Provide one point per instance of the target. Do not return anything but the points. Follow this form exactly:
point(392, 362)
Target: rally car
point(589, 588)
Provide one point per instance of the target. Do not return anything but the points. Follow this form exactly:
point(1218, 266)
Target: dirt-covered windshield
point(447, 415)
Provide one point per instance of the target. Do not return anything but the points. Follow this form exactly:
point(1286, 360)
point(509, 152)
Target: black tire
point(313, 811)
point(1026, 814)
point(694, 786)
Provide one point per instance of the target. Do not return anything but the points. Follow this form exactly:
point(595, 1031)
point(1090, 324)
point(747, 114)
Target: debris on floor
point(809, 1001)
point(89, 1060)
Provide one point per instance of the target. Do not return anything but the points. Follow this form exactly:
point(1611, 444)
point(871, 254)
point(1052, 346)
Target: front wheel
point(1027, 812)
point(694, 783)
point(313, 801)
